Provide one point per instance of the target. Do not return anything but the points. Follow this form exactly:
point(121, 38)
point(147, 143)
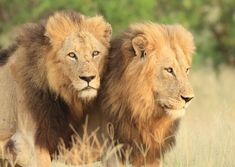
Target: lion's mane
point(128, 102)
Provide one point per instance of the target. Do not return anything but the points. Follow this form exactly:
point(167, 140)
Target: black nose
point(186, 99)
point(87, 78)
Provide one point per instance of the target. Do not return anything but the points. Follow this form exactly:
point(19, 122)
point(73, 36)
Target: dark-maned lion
point(145, 89)
point(48, 77)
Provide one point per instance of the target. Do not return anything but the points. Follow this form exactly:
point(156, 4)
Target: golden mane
point(61, 24)
point(126, 97)
point(140, 97)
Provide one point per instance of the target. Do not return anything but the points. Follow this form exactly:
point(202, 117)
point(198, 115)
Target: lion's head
point(151, 72)
point(79, 47)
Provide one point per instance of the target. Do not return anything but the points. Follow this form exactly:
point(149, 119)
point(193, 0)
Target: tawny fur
point(137, 89)
point(37, 69)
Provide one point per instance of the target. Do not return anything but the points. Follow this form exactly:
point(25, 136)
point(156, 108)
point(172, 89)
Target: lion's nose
point(187, 99)
point(87, 78)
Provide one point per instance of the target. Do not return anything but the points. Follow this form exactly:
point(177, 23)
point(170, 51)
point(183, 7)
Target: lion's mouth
point(87, 92)
point(174, 112)
point(170, 104)
point(167, 108)
point(88, 88)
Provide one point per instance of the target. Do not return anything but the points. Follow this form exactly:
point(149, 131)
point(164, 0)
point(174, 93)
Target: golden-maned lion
point(48, 77)
point(146, 90)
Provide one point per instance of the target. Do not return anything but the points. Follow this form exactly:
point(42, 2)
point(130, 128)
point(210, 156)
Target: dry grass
point(206, 136)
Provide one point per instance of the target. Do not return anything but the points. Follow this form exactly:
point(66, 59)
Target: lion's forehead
point(82, 41)
point(182, 59)
point(173, 57)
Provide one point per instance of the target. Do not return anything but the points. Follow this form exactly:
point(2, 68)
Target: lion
point(145, 91)
point(48, 77)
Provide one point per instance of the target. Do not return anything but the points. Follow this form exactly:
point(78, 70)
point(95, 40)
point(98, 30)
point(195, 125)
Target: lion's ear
point(99, 28)
point(139, 44)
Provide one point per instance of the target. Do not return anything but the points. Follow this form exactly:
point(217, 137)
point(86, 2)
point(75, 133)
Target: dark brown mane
point(50, 112)
point(52, 88)
point(6, 53)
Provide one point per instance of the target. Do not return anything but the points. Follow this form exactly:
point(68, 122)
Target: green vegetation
point(211, 21)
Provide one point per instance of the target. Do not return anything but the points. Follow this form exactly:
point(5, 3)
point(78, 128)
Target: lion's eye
point(95, 53)
point(169, 70)
point(72, 55)
point(187, 70)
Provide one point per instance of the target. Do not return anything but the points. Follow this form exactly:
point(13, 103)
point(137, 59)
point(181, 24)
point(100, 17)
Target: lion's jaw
point(87, 92)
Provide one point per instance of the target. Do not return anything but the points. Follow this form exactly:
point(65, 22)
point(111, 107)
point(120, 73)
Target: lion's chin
point(87, 94)
point(175, 114)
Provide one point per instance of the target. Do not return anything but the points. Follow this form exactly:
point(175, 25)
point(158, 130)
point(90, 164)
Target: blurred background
point(207, 133)
point(211, 21)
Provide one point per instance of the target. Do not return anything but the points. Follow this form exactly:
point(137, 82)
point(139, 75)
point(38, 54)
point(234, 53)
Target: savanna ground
point(207, 132)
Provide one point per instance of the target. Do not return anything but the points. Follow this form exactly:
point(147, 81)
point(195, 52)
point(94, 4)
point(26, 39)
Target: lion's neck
point(76, 104)
point(155, 134)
